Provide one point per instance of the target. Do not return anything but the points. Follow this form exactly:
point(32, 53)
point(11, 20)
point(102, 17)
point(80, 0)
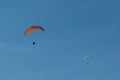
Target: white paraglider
point(87, 58)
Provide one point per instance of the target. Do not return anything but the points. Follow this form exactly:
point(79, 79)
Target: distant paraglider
point(32, 28)
point(87, 58)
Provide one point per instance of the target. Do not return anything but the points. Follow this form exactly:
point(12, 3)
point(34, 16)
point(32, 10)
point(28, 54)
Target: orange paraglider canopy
point(33, 28)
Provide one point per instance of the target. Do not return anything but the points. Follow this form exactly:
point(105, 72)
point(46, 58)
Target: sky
point(74, 28)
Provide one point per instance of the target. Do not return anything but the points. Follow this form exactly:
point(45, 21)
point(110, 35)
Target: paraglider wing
point(28, 30)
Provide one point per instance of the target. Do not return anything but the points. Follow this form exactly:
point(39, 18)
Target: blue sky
point(73, 29)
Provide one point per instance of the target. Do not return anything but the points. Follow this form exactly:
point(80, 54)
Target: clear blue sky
point(73, 28)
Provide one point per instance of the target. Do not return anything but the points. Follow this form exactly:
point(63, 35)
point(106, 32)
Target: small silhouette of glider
point(88, 58)
point(32, 28)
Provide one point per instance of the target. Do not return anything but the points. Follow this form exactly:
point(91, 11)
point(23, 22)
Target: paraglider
point(32, 28)
point(87, 58)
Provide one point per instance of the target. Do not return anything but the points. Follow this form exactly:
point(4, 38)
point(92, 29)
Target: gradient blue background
point(73, 29)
